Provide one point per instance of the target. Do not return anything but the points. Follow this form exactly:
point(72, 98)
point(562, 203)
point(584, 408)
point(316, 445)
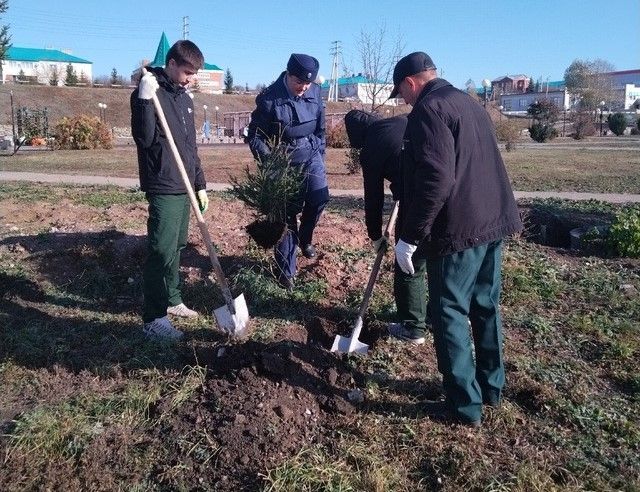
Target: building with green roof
point(210, 77)
point(43, 66)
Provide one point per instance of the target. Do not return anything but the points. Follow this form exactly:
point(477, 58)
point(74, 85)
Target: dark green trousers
point(465, 287)
point(167, 232)
point(410, 293)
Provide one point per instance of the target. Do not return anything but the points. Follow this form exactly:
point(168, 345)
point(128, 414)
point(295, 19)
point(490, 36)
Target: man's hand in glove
point(404, 252)
point(203, 200)
point(379, 244)
point(148, 86)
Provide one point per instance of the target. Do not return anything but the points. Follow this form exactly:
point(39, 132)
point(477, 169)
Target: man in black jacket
point(460, 206)
point(168, 222)
point(380, 144)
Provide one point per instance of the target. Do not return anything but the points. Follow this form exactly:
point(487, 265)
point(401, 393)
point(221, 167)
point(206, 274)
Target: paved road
point(133, 182)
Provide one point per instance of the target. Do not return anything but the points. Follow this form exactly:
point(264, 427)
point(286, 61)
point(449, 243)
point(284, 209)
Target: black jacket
point(157, 168)
point(456, 187)
point(380, 144)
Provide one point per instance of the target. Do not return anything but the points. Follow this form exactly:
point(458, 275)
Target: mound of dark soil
point(262, 403)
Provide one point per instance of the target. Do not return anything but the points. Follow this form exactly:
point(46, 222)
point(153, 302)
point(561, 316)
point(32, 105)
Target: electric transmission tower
point(185, 27)
point(333, 84)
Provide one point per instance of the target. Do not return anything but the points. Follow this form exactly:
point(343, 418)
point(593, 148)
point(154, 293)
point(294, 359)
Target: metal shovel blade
point(345, 345)
point(234, 324)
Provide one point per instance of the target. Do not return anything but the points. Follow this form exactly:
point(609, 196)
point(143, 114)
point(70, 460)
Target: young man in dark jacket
point(168, 222)
point(380, 144)
point(460, 206)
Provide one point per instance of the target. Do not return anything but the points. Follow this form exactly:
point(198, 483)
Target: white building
point(519, 103)
point(631, 96)
point(39, 65)
point(360, 88)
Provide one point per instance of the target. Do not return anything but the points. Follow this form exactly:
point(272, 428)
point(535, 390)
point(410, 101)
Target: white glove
point(148, 86)
point(404, 252)
point(203, 200)
point(379, 244)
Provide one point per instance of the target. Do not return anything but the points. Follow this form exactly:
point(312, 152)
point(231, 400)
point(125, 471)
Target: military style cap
point(304, 67)
point(409, 65)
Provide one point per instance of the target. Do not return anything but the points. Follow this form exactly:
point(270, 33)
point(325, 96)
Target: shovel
point(233, 317)
point(352, 344)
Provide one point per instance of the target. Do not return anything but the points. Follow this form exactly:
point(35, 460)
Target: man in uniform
point(460, 206)
point(290, 112)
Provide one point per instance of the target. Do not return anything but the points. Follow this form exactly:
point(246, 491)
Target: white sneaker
point(161, 327)
point(182, 311)
point(397, 330)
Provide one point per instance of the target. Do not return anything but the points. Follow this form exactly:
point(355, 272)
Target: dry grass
point(545, 168)
point(69, 101)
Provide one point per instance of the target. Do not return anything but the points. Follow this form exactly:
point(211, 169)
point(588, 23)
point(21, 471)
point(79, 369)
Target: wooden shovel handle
point(376, 265)
point(204, 231)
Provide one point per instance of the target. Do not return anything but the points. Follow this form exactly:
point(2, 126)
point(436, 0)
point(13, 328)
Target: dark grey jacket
point(455, 184)
point(156, 165)
point(380, 143)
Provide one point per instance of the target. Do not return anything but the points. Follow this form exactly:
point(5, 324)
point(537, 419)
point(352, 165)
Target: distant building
point(359, 88)
point(210, 77)
point(510, 84)
point(40, 65)
point(519, 103)
point(625, 87)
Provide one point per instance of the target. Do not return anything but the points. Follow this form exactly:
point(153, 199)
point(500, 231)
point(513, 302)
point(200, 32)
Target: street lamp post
point(601, 115)
point(486, 83)
point(564, 121)
point(217, 108)
point(204, 107)
point(500, 108)
point(103, 112)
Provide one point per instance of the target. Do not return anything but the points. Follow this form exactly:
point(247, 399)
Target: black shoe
point(440, 411)
point(286, 283)
point(308, 251)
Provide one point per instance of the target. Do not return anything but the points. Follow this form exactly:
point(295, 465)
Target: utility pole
point(333, 84)
point(185, 27)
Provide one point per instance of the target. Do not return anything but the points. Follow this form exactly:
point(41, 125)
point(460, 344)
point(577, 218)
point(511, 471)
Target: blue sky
point(467, 40)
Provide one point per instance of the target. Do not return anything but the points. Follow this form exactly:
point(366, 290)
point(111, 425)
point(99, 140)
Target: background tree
point(583, 124)
point(21, 76)
point(617, 123)
point(71, 78)
point(508, 132)
point(115, 78)
point(532, 86)
point(4, 34)
point(378, 56)
point(54, 76)
point(544, 114)
point(228, 82)
point(588, 81)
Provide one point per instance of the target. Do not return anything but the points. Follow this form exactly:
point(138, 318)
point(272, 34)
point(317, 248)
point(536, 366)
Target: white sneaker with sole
point(397, 330)
point(161, 328)
point(182, 311)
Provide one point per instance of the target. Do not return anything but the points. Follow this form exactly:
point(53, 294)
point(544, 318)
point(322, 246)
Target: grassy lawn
point(88, 403)
point(546, 168)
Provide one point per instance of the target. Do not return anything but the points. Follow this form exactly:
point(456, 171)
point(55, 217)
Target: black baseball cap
point(409, 65)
